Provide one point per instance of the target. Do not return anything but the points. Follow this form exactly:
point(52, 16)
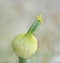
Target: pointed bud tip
point(40, 18)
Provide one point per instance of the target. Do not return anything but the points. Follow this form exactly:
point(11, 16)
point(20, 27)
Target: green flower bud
point(25, 45)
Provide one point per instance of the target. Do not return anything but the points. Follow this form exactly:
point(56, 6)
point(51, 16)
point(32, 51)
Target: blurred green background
point(16, 16)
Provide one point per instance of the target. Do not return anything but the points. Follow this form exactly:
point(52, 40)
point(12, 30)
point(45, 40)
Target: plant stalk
point(22, 60)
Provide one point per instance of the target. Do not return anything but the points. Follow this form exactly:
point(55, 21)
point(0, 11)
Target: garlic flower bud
point(25, 45)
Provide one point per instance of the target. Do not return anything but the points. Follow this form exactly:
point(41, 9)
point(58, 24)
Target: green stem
point(22, 60)
point(33, 27)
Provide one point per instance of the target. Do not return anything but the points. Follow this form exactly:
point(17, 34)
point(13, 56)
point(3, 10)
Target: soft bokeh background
point(16, 16)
